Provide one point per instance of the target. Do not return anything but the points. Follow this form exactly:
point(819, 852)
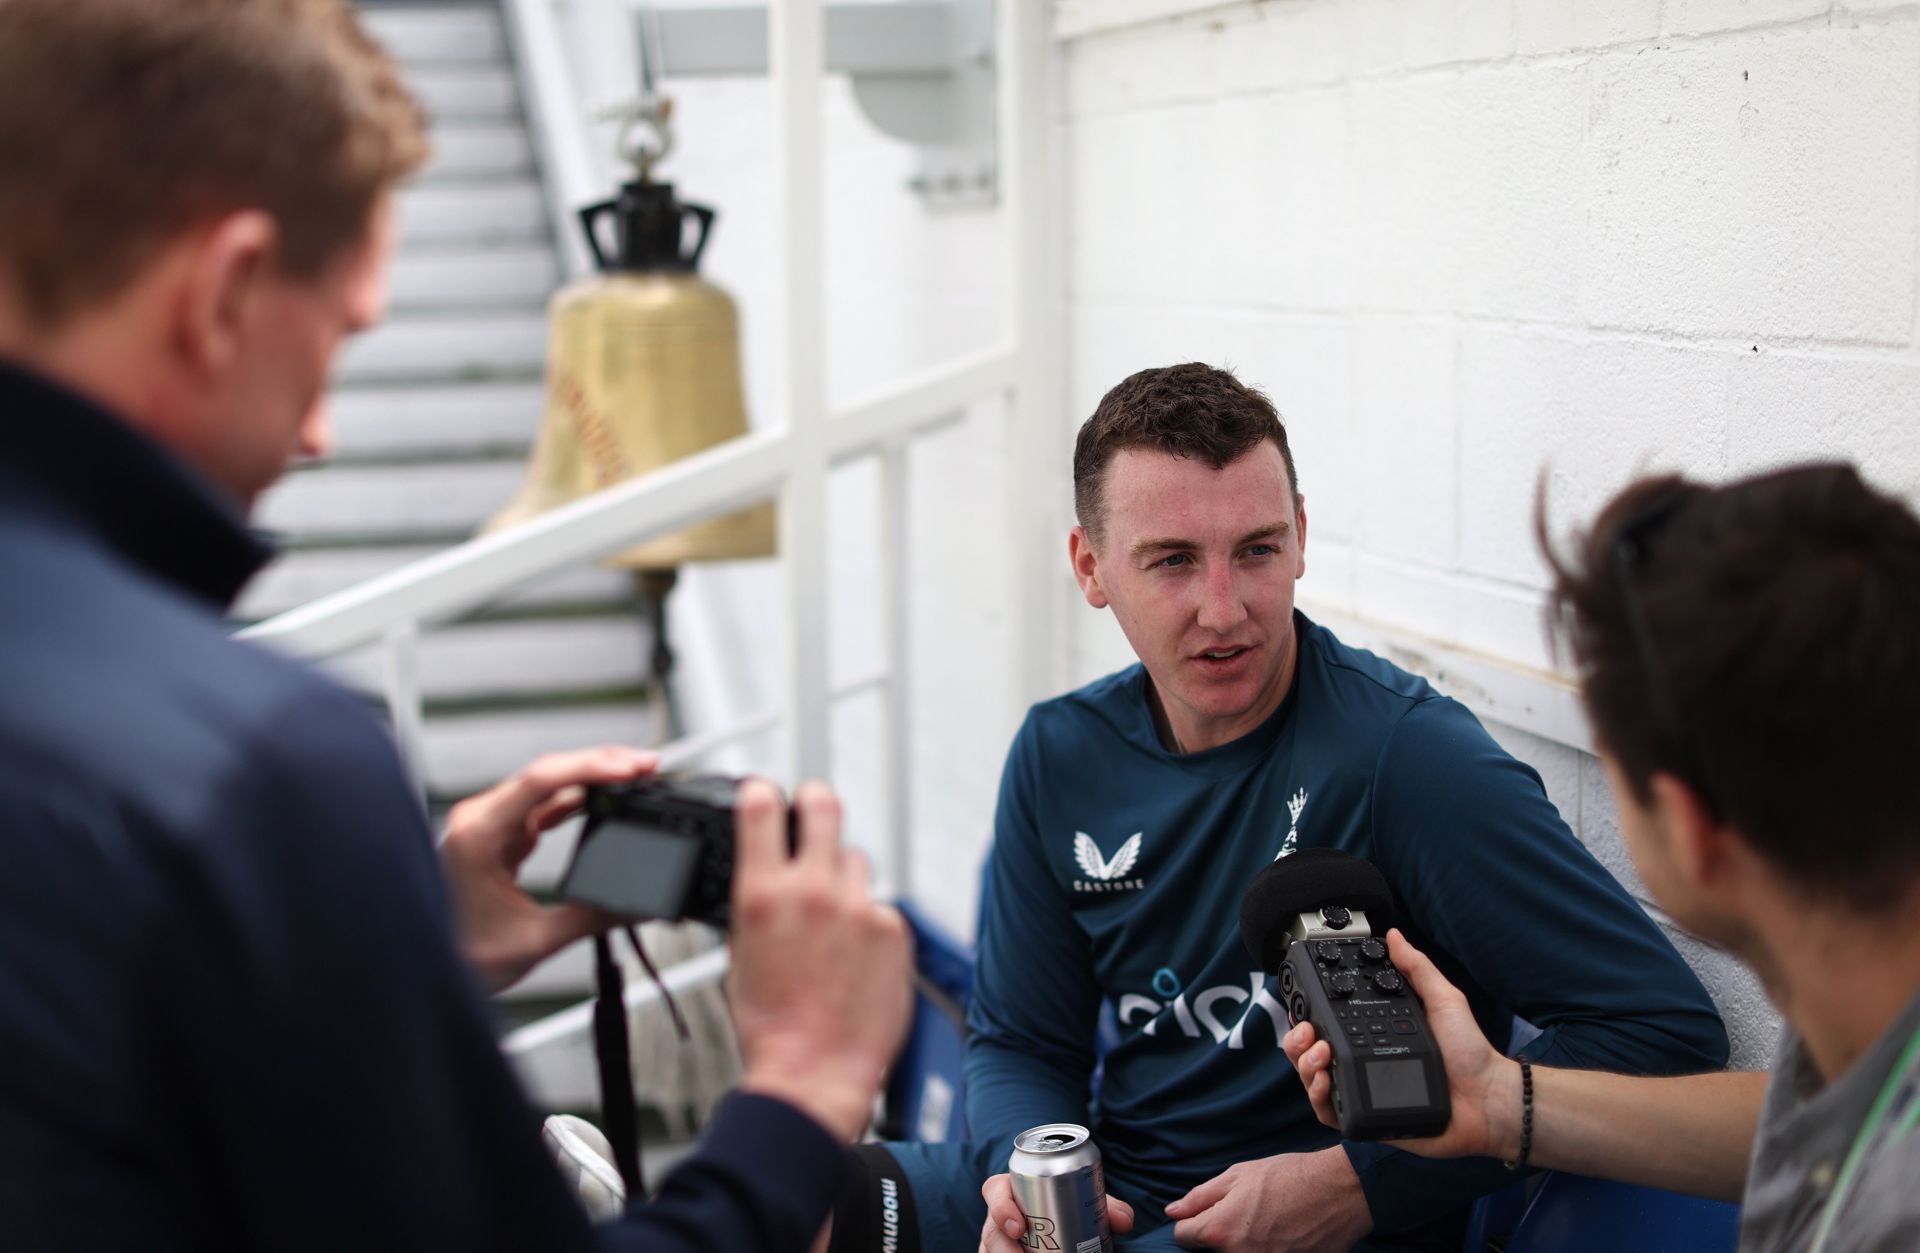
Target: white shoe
point(585, 1158)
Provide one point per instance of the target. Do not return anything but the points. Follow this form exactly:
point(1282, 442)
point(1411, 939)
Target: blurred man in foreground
point(231, 1009)
point(1750, 659)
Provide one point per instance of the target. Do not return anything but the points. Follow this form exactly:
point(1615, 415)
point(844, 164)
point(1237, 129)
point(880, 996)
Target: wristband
point(1526, 1118)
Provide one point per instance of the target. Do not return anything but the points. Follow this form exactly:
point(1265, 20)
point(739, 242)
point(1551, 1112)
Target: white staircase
point(434, 412)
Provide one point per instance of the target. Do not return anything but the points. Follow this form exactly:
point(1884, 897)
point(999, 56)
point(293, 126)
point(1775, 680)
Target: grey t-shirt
point(1806, 1129)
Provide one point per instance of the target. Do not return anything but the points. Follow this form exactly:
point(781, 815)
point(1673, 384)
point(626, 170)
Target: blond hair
point(125, 122)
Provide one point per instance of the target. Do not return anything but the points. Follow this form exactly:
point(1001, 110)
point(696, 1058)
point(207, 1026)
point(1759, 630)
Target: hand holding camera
point(821, 973)
point(1484, 1086)
point(504, 932)
point(820, 983)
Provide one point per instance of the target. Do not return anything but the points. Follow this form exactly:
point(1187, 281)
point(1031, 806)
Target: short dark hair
point(1761, 642)
point(124, 122)
point(1190, 410)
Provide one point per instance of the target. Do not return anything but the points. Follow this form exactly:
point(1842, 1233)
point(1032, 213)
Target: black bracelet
point(1526, 1117)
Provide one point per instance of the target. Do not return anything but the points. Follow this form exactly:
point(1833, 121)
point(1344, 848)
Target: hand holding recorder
point(1316, 919)
point(1484, 1087)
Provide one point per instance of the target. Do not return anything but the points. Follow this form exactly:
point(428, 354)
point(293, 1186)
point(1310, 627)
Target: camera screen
point(632, 870)
point(1397, 1084)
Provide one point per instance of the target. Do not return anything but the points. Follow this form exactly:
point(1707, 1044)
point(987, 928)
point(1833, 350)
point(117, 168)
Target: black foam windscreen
point(1300, 883)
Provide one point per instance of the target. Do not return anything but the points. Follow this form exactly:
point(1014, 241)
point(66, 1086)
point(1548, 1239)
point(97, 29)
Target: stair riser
point(465, 93)
point(439, 35)
point(298, 577)
point(449, 349)
point(398, 500)
point(479, 150)
point(506, 212)
point(517, 658)
point(453, 419)
point(468, 752)
point(514, 275)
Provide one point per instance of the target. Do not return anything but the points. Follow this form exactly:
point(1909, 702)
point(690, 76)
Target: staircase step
point(466, 92)
point(429, 501)
point(447, 348)
point(406, 419)
point(506, 210)
point(468, 752)
point(297, 577)
point(467, 150)
point(524, 660)
point(513, 274)
point(440, 34)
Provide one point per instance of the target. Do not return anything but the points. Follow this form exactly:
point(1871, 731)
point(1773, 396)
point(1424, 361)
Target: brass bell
point(643, 368)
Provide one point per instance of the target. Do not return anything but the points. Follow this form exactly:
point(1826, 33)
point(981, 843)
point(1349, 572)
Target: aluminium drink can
point(1058, 1181)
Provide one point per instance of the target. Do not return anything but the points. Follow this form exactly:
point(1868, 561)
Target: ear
point(226, 268)
point(1702, 846)
point(1300, 528)
point(1086, 566)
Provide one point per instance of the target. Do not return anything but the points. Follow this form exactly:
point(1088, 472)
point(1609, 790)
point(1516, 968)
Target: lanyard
point(1857, 1154)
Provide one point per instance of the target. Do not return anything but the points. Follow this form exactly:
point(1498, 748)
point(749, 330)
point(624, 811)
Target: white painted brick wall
point(1465, 242)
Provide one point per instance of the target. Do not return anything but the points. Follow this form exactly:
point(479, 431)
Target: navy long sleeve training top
point(231, 1013)
point(1116, 877)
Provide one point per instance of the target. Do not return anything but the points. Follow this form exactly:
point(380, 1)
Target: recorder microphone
point(1319, 918)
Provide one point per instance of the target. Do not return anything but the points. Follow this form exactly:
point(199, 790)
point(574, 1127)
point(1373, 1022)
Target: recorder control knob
point(1389, 981)
point(1328, 953)
point(1336, 916)
point(1343, 985)
point(1373, 951)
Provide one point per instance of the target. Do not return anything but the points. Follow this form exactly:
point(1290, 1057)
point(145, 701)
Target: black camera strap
point(613, 1055)
point(614, 1058)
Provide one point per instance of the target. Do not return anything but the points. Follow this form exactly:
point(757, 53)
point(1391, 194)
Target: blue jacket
point(1116, 877)
point(231, 1015)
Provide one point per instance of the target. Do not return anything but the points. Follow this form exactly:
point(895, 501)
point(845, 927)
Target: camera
point(659, 848)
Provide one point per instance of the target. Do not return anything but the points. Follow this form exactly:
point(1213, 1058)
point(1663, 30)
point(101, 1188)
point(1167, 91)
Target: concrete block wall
point(1465, 243)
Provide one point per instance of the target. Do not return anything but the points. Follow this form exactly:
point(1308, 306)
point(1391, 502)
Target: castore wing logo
point(1106, 874)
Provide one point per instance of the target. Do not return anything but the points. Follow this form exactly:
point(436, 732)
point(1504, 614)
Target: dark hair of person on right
point(1190, 410)
point(1760, 641)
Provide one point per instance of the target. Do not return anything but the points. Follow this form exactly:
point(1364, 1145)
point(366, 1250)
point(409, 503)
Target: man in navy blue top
point(232, 1012)
point(1133, 813)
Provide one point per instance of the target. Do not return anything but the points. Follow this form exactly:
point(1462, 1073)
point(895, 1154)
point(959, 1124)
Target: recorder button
point(1402, 1027)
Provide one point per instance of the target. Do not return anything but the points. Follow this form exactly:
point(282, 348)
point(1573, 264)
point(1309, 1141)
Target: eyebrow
point(1145, 546)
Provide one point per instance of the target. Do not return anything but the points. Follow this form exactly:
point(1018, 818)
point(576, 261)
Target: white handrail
point(709, 483)
point(796, 51)
point(559, 135)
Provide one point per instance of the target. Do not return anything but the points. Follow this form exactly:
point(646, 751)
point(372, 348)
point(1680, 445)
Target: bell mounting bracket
point(922, 71)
